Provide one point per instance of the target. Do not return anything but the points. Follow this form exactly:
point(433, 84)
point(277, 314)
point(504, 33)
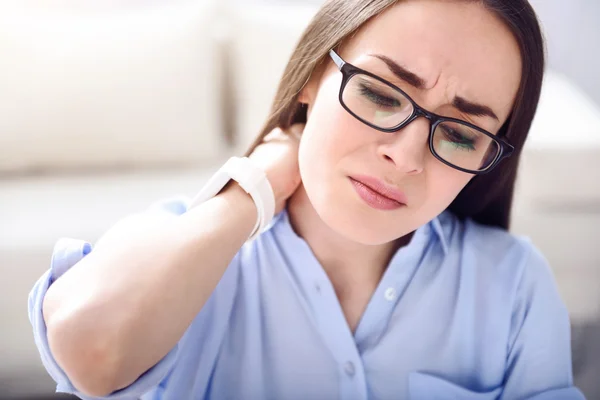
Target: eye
point(459, 139)
point(378, 98)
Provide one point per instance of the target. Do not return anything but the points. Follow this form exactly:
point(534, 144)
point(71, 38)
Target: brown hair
point(487, 198)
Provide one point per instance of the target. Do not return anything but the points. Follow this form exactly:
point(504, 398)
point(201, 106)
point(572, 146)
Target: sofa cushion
point(90, 86)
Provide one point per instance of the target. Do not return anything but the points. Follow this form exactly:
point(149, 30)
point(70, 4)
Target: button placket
point(339, 339)
point(388, 294)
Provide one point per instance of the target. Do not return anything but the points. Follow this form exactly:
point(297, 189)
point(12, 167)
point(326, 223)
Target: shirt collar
point(438, 224)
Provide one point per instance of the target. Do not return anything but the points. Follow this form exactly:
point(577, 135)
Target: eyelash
point(378, 98)
point(459, 140)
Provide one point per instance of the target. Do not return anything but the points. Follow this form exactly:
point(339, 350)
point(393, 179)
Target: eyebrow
point(413, 79)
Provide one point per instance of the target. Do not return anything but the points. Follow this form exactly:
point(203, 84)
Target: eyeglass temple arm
point(337, 59)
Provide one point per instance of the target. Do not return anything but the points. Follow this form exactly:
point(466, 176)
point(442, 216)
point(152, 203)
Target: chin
point(349, 219)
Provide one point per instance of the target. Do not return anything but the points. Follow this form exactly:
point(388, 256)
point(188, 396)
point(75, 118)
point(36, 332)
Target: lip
point(378, 194)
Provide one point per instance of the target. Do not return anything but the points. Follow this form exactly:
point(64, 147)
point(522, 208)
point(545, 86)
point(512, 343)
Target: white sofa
point(109, 109)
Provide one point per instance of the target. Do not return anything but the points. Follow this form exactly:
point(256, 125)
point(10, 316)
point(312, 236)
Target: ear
point(306, 98)
point(308, 94)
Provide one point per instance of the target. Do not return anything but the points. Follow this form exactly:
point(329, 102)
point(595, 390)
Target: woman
point(387, 272)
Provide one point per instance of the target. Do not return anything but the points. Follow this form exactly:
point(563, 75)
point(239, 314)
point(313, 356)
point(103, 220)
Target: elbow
point(93, 387)
point(85, 355)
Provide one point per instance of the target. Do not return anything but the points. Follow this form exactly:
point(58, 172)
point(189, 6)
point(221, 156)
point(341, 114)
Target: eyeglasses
point(385, 107)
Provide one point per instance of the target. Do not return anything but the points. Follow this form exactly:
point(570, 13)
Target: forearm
point(125, 305)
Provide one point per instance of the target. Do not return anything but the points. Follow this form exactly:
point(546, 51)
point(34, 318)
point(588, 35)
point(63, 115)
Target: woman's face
point(456, 49)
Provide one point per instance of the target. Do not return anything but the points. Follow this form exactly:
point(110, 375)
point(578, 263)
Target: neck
point(346, 262)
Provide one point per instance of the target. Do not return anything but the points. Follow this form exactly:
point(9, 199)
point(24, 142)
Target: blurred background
point(108, 106)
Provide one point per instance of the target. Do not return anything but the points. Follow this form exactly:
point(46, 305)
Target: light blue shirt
point(462, 312)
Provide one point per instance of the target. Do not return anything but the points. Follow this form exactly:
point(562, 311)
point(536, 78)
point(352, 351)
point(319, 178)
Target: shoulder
point(500, 252)
point(510, 266)
point(511, 278)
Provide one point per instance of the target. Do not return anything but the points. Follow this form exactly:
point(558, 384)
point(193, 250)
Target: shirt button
point(317, 288)
point(349, 368)
point(390, 294)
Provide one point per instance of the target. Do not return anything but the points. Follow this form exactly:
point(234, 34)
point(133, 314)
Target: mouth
point(377, 194)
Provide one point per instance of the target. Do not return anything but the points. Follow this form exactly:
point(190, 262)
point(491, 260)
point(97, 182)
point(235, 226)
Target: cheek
point(330, 135)
point(332, 138)
point(318, 155)
point(443, 185)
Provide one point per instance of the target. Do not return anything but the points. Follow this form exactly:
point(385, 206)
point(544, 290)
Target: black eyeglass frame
point(348, 71)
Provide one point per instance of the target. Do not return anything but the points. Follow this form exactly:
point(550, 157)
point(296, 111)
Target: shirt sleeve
point(67, 252)
point(539, 359)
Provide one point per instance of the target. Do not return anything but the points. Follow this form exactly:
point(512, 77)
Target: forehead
point(458, 46)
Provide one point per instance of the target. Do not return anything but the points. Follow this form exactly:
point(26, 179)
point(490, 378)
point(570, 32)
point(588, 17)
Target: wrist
point(238, 201)
point(235, 195)
point(249, 178)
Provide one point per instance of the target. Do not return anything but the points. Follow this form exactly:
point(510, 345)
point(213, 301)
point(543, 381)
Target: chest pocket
point(428, 387)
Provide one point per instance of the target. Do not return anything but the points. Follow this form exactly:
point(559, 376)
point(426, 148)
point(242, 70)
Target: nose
point(407, 148)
